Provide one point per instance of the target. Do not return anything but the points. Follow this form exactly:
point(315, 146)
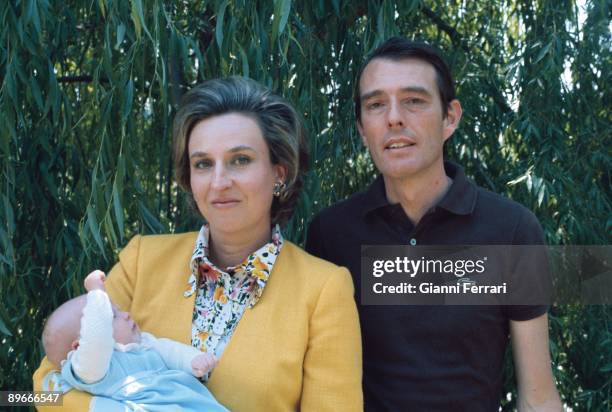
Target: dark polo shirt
point(429, 358)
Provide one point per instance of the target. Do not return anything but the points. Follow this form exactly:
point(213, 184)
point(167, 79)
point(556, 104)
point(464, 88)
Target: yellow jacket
point(298, 348)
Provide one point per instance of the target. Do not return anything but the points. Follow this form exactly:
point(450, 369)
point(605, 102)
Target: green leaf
point(541, 194)
point(219, 25)
point(607, 368)
point(109, 230)
point(542, 53)
point(7, 248)
point(282, 8)
point(118, 210)
point(35, 89)
point(94, 228)
point(120, 35)
point(11, 87)
point(336, 6)
point(102, 6)
point(245, 61)
point(151, 221)
point(10, 216)
point(53, 101)
point(127, 102)
point(380, 22)
point(4, 329)
point(35, 17)
point(137, 17)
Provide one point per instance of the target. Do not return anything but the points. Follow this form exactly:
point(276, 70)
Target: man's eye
point(241, 160)
point(374, 105)
point(414, 101)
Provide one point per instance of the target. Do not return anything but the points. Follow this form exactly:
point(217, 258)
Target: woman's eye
point(241, 160)
point(202, 164)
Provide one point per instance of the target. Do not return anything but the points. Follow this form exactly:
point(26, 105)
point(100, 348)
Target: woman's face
point(232, 176)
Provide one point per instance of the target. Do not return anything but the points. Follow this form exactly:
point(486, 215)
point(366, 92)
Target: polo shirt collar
point(460, 198)
point(375, 196)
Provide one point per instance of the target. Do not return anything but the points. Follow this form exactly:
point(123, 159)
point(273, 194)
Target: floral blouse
point(222, 295)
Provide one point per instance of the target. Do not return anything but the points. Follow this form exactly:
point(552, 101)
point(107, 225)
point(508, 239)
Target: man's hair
point(280, 125)
point(398, 48)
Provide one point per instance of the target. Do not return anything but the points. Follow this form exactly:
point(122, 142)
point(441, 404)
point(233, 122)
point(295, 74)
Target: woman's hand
point(203, 363)
point(95, 280)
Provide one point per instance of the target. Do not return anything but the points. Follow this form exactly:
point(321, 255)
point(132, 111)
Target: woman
point(282, 322)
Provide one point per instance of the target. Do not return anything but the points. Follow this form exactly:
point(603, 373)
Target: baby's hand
point(203, 363)
point(95, 280)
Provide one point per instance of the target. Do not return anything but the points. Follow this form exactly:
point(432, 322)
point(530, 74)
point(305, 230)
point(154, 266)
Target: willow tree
point(89, 89)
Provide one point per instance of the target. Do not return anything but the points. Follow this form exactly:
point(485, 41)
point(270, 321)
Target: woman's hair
point(279, 123)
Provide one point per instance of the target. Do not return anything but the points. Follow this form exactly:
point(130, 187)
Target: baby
point(124, 368)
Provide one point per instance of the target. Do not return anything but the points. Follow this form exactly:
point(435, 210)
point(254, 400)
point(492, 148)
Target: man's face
point(402, 119)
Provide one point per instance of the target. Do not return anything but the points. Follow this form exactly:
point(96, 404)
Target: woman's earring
point(278, 188)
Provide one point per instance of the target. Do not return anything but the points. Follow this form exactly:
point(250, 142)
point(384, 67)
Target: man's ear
point(360, 130)
point(453, 117)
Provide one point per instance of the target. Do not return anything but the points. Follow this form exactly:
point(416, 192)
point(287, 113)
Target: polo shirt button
point(413, 242)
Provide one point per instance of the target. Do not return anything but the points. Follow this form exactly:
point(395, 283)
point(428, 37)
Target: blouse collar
point(257, 265)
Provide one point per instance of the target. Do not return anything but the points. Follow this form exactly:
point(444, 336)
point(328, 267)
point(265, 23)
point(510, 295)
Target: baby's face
point(125, 330)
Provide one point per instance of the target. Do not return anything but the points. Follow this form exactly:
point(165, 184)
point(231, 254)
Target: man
point(430, 358)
